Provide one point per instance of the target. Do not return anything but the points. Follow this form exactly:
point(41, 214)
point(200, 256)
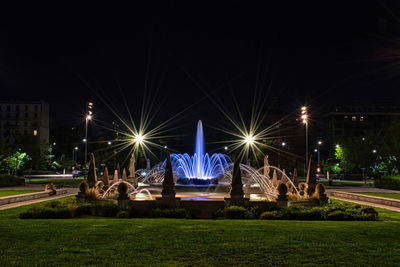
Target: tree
point(16, 162)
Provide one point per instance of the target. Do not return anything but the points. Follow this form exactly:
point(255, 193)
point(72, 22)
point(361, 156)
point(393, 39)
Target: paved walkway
point(70, 192)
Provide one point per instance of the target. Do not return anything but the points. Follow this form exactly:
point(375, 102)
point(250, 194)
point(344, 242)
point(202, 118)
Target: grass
point(5, 193)
point(336, 183)
point(71, 182)
point(105, 241)
point(388, 195)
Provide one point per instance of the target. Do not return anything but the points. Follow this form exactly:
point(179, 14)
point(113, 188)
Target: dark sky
point(291, 52)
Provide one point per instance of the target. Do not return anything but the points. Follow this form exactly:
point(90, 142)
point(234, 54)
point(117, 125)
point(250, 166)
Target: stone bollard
point(302, 189)
point(123, 197)
point(282, 200)
point(320, 192)
point(83, 188)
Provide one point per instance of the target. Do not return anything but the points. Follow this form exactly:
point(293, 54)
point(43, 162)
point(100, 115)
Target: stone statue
point(266, 166)
point(132, 166)
point(274, 179)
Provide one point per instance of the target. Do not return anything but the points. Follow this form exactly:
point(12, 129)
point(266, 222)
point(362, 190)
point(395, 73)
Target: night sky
point(321, 53)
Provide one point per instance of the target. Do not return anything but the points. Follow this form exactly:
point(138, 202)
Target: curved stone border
point(28, 196)
point(366, 198)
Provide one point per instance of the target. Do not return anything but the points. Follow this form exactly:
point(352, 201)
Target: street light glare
point(337, 146)
point(89, 117)
point(109, 142)
point(139, 138)
point(249, 140)
point(226, 148)
point(283, 144)
point(319, 142)
point(76, 148)
point(84, 140)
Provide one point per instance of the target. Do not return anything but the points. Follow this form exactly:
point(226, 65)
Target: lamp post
point(88, 117)
point(304, 117)
point(319, 154)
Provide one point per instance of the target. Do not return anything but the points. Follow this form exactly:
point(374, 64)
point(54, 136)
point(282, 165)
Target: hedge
point(10, 180)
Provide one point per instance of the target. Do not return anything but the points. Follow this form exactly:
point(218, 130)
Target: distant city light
point(319, 142)
point(89, 117)
point(165, 147)
point(374, 151)
point(226, 148)
point(283, 144)
point(337, 146)
point(84, 140)
point(76, 148)
point(143, 173)
point(315, 150)
point(109, 143)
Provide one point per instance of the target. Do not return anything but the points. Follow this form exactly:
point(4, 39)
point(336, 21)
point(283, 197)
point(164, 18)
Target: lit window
point(34, 132)
point(353, 118)
point(362, 118)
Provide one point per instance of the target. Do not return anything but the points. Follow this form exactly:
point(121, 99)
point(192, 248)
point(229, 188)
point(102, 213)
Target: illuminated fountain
point(201, 168)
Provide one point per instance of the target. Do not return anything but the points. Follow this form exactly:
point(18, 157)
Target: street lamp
point(88, 117)
point(109, 143)
point(304, 117)
point(319, 153)
point(75, 154)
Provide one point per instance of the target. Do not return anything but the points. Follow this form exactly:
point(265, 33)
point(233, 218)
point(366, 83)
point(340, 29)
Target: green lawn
point(71, 182)
point(97, 241)
point(388, 195)
point(344, 183)
point(5, 193)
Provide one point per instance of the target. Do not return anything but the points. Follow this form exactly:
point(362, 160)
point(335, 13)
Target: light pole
point(75, 154)
point(88, 117)
point(319, 154)
point(304, 117)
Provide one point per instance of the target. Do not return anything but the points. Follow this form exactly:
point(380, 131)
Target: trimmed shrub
point(84, 209)
point(388, 183)
point(47, 213)
point(10, 180)
point(123, 214)
point(236, 212)
point(106, 209)
point(169, 213)
point(337, 212)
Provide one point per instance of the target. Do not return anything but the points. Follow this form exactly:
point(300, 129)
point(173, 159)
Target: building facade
point(24, 119)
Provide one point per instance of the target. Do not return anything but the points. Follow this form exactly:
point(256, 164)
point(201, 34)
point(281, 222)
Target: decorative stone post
point(237, 193)
point(91, 176)
point(106, 179)
point(148, 166)
point(311, 179)
point(295, 177)
point(115, 177)
point(131, 178)
point(282, 200)
point(168, 193)
point(124, 178)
